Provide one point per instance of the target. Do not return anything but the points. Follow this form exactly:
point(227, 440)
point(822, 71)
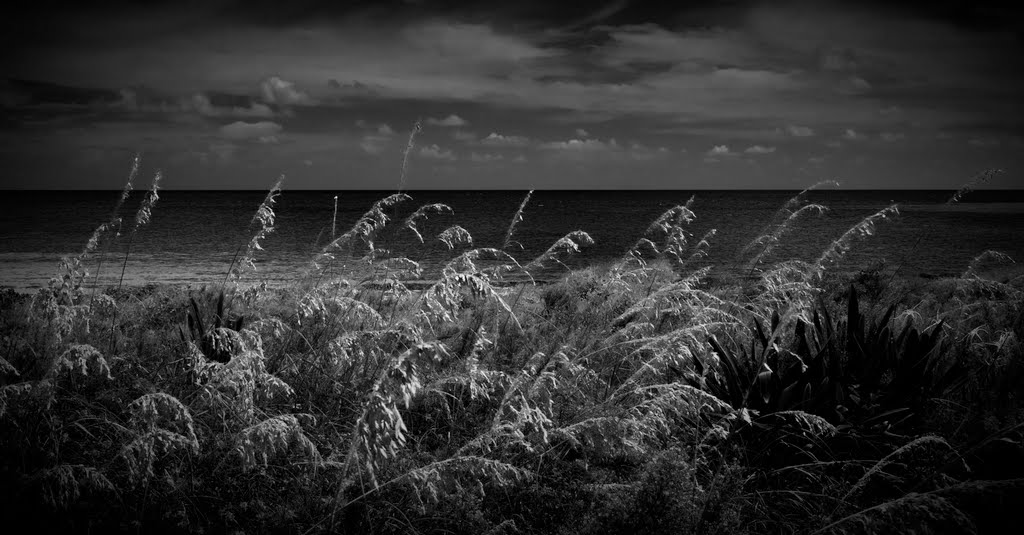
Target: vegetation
point(634, 396)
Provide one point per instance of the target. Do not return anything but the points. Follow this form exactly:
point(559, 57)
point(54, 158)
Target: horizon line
point(563, 190)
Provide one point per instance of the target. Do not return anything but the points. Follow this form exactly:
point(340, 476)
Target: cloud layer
point(736, 91)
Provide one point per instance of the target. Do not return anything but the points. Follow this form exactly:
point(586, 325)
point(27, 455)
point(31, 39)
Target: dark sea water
point(193, 236)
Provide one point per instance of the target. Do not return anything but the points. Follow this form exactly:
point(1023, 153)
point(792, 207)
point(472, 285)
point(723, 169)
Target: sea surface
point(194, 236)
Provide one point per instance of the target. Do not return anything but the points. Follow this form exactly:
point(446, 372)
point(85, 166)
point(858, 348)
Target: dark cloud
point(674, 84)
point(32, 93)
point(353, 89)
point(207, 105)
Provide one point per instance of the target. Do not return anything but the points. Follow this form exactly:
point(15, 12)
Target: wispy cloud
point(643, 43)
point(262, 131)
point(718, 153)
point(435, 152)
point(451, 120)
point(485, 157)
point(598, 150)
point(983, 142)
point(382, 129)
point(275, 90)
point(199, 103)
point(373, 144)
point(852, 135)
point(799, 131)
point(495, 139)
point(202, 104)
point(580, 145)
point(471, 43)
point(376, 137)
point(644, 153)
point(759, 149)
point(351, 89)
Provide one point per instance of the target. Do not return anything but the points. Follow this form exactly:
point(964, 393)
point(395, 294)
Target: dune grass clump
point(380, 394)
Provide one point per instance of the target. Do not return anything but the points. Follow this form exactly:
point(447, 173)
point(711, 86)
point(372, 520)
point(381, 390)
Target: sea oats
point(516, 219)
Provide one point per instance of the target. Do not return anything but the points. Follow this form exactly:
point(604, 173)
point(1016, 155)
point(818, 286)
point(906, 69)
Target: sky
point(710, 94)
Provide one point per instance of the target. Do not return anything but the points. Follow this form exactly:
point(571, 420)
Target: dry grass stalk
point(455, 235)
point(781, 222)
point(80, 360)
point(566, 245)
point(913, 513)
point(163, 427)
point(259, 443)
point(263, 220)
point(516, 219)
point(364, 230)
point(142, 217)
point(984, 260)
point(974, 182)
point(924, 453)
point(62, 486)
point(417, 127)
point(866, 227)
point(423, 212)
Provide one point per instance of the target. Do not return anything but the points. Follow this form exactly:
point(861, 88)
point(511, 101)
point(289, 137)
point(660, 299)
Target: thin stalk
point(334, 220)
point(416, 128)
point(978, 179)
point(504, 325)
point(234, 258)
point(125, 192)
point(142, 217)
point(124, 264)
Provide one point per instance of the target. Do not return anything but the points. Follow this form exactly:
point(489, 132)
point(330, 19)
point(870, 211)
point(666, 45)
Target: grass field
point(635, 396)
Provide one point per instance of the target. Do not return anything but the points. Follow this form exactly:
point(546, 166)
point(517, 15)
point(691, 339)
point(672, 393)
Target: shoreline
point(1005, 276)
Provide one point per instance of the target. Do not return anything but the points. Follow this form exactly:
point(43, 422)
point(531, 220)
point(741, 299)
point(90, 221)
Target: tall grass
point(263, 222)
point(115, 217)
point(631, 397)
point(142, 217)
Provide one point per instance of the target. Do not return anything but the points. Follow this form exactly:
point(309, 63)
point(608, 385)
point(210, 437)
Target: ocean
point(194, 235)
